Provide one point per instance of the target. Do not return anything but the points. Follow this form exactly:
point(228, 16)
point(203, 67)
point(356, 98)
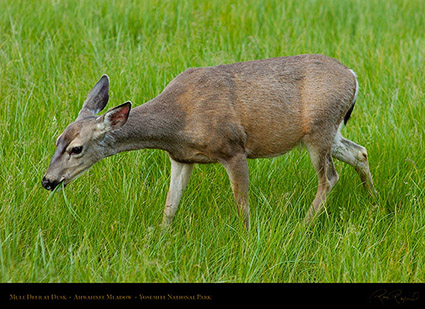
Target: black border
point(374, 295)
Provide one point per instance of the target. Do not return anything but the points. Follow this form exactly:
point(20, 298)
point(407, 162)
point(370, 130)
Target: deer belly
point(271, 144)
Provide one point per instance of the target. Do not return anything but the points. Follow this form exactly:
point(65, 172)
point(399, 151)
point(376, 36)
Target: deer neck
point(152, 125)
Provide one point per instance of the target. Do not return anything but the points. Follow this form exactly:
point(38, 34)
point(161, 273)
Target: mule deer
point(224, 114)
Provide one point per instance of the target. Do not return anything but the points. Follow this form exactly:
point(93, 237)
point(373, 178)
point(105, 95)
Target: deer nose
point(47, 184)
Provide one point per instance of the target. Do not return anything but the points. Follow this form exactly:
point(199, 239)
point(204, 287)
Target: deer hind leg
point(327, 176)
point(180, 174)
point(355, 155)
point(237, 170)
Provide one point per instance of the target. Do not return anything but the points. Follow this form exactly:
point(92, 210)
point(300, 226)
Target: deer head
point(82, 142)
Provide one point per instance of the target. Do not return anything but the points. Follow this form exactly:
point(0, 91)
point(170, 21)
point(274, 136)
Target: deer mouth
point(61, 185)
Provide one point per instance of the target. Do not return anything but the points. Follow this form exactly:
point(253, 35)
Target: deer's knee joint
point(362, 154)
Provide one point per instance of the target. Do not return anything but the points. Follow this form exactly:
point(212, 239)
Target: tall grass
point(105, 226)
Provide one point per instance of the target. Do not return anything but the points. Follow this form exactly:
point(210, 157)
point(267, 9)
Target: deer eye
point(77, 150)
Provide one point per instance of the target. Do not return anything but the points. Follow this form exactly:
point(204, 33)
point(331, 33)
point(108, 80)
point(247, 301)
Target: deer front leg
point(180, 174)
point(237, 169)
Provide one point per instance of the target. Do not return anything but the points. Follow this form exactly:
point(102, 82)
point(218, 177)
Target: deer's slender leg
point(327, 177)
point(180, 174)
point(237, 169)
point(355, 155)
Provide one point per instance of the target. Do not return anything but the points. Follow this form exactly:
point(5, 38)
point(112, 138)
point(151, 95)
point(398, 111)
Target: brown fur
point(263, 108)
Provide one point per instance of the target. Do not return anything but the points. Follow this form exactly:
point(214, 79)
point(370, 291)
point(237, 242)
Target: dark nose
point(49, 185)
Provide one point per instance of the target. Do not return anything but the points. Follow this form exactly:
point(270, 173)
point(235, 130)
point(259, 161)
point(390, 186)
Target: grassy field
point(105, 226)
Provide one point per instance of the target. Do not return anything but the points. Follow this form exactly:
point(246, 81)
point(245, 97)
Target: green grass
point(105, 226)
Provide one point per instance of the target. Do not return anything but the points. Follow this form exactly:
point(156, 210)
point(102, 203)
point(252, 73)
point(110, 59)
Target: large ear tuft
point(97, 98)
point(116, 117)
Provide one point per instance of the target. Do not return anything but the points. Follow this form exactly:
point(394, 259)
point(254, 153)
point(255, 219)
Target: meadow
point(105, 226)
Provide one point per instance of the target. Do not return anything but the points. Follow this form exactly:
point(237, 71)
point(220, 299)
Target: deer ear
point(97, 98)
point(116, 117)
